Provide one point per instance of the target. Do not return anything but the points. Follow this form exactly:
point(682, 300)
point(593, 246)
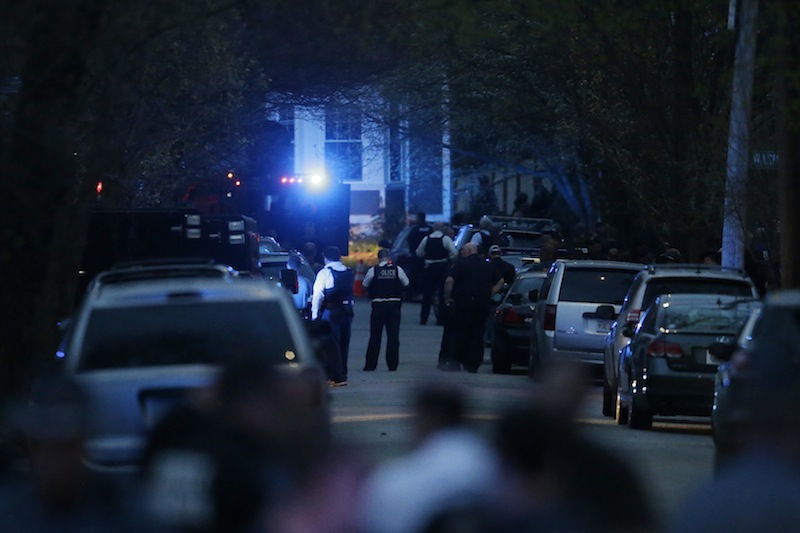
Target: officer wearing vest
point(332, 301)
point(438, 251)
point(385, 283)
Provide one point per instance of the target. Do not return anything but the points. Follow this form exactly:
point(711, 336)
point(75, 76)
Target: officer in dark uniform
point(332, 301)
point(469, 287)
point(438, 250)
point(416, 265)
point(385, 283)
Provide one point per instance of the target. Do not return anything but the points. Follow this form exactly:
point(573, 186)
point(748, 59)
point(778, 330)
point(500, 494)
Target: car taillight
point(670, 350)
point(510, 316)
point(550, 317)
point(633, 316)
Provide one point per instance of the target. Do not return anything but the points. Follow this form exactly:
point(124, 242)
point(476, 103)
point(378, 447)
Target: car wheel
point(620, 411)
point(609, 401)
point(640, 418)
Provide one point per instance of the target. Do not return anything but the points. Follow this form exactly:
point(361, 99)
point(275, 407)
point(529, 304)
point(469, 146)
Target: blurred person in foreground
point(59, 493)
point(385, 283)
point(557, 479)
point(222, 462)
point(759, 488)
point(450, 471)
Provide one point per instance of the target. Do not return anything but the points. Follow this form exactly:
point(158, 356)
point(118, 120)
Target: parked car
point(729, 408)
point(139, 347)
point(652, 281)
point(575, 309)
point(511, 325)
point(274, 263)
point(667, 368)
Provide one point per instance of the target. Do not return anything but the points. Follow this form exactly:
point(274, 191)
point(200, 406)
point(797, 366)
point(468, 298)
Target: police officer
point(469, 286)
point(332, 301)
point(438, 250)
point(385, 283)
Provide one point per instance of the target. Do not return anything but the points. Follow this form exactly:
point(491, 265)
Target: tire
point(620, 411)
point(609, 401)
point(640, 418)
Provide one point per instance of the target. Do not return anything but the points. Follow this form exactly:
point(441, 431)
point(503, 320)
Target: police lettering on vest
point(386, 285)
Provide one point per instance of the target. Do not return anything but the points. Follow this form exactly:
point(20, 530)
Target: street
point(371, 414)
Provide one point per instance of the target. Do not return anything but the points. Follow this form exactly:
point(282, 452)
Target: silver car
point(140, 347)
point(576, 307)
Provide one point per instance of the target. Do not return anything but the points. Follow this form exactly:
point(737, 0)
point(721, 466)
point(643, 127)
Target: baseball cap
point(494, 249)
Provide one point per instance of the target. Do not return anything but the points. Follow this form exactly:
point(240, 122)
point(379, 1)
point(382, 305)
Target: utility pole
point(789, 142)
point(733, 235)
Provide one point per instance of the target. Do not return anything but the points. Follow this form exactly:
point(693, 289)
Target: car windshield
point(185, 334)
point(596, 285)
point(702, 318)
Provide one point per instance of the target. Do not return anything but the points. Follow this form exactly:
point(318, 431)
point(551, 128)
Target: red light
point(237, 183)
point(284, 180)
point(510, 316)
point(664, 349)
point(99, 187)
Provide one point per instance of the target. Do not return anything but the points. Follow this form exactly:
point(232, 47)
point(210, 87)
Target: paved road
point(372, 414)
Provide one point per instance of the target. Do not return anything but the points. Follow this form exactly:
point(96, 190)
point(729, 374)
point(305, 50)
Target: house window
point(343, 142)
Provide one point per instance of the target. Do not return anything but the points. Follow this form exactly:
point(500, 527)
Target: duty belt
point(386, 300)
point(331, 304)
point(434, 261)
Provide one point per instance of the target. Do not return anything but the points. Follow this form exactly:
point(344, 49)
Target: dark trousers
point(468, 344)
point(447, 359)
point(433, 287)
point(341, 323)
point(384, 315)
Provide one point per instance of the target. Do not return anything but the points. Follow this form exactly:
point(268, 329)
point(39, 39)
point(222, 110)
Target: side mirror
point(288, 279)
point(533, 295)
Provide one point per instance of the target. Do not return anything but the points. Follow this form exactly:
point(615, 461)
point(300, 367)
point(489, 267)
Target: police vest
point(340, 296)
point(434, 249)
point(386, 285)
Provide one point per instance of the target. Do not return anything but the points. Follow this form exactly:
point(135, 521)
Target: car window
point(524, 285)
point(595, 285)
point(659, 286)
point(185, 334)
point(701, 319)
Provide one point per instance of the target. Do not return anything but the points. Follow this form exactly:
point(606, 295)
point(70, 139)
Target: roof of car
point(591, 263)
point(699, 269)
point(167, 290)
